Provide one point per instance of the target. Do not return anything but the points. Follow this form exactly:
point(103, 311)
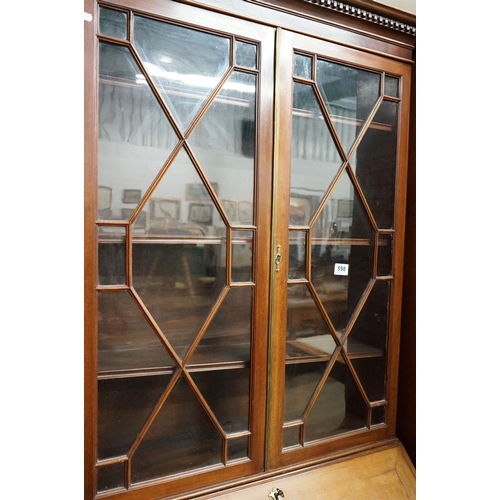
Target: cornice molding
point(366, 15)
point(366, 10)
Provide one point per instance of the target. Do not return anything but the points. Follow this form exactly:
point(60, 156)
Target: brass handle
point(278, 258)
point(276, 494)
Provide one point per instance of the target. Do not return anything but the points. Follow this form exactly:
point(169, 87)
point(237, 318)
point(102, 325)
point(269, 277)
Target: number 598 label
point(342, 269)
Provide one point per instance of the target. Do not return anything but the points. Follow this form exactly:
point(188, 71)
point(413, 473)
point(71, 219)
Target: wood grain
point(384, 475)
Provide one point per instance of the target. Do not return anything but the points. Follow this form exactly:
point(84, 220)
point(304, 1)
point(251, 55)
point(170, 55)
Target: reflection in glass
point(185, 64)
point(228, 336)
point(126, 339)
point(227, 394)
point(348, 211)
point(307, 332)
point(246, 55)
point(384, 255)
point(179, 284)
point(242, 258)
point(111, 476)
point(375, 163)
point(346, 240)
point(340, 293)
point(339, 408)
point(124, 404)
point(224, 144)
point(113, 23)
point(302, 66)
point(391, 87)
point(181, 206)
point(135, 136)
point(111, 255)
point(350, 95)
point(300, 383)
point(237, 448)
point(315, 159)
point(297, 255)
point(367, 342)
point(181, 438)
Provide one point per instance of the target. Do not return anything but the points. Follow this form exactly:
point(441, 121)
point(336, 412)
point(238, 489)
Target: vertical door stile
point(277, 326)
point(90, 251)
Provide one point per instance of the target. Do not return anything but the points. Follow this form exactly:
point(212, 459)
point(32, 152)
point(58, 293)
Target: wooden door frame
point(345, 28)
point(264, 37)
point(337, 444)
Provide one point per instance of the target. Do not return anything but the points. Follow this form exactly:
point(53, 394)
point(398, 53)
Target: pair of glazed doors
point(249, 185)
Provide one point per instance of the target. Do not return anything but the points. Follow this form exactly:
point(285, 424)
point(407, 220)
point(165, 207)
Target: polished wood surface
point(384, 475)
point(406, 420)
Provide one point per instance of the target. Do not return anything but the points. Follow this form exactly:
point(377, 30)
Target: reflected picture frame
point(104, 197)
point(300, 210)
point(131, 196)
point(201, 213)
point(198, 191)
point(245, 212)
point(163, 208)
point(345, 208)
point(231, 209)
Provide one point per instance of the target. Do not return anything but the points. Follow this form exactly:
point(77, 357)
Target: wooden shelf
point(319, 348)
point(235, 355)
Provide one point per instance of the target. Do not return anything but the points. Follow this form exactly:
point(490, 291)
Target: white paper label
point(342, 269)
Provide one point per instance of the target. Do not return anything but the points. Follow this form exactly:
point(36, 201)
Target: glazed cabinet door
point(180, 196)
point(340, 166)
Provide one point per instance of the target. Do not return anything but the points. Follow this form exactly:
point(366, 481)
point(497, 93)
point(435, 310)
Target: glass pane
point(339, 407)
point(297, 255)
point(384, 255)
point(185, 64)
point(111, 476)
point(371, 372)
point(342, 266)
point(315, 159)
point(350, 95)
point(237, 448)
point(135, 136)
point(224, 145)
point(111, 255)
point(242, 269)
point(179, 284)
point(291, 436)
point(113, 23)
point(307, 332)
point(246, 55)
point(367, 342)
point(391, 86)
point(378, 415)
point(104, 201)
point(126, 339)
point(301, 209)
point(181, 438)
point(181, 206)
point(375, 163)
point(227, 394)
point(228, 335)
point(124, 406)
point(302, 66)
point(300, 383)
